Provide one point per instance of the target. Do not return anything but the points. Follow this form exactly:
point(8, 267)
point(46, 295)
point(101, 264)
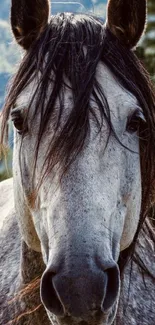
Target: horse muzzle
point(79, 292)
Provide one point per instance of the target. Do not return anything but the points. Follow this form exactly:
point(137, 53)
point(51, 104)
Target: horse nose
point(79, 296)
point(112, 288)
point(50, 296)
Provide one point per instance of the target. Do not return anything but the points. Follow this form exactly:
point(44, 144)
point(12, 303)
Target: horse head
point(78, 108)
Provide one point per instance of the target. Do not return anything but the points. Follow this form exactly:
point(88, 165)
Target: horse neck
point(32, 265)
point(138, 282)
point(145, 249)
point(29, 304)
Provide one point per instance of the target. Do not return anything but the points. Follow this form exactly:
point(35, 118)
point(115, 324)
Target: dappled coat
point(20, 266)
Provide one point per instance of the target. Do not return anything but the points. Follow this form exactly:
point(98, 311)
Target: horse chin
point(99, 318)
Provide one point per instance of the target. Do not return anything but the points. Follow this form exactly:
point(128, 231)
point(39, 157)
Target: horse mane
point(70, 48)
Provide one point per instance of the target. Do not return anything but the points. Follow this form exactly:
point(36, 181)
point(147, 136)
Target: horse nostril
point(112, 288)
point(49, 295)
point(65, 295)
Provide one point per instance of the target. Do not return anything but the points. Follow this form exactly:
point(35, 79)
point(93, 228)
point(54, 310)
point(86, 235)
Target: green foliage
point(147, 49)
point(6, 166)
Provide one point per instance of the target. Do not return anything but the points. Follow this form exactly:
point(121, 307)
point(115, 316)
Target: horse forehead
point(120, 101)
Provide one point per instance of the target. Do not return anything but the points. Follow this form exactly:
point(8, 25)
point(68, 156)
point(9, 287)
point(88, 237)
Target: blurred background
point(10, 54)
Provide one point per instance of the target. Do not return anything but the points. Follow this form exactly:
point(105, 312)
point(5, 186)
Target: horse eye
point(19, 122)
point(134, 121)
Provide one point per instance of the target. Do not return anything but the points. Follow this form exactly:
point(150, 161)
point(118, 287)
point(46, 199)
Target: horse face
point(84, 221)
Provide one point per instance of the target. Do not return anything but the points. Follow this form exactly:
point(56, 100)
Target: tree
point(147, 48)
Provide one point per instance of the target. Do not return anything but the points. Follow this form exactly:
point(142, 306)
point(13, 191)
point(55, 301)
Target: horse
point(82, 107)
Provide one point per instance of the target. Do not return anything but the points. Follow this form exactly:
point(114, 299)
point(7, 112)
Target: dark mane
point(63, 44)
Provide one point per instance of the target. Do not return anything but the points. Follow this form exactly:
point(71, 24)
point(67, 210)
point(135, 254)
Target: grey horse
point(82, 106)
point(137, 303)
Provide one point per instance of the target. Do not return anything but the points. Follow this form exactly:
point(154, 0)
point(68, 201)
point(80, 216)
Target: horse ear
point(127, 19)
point(28, 19)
